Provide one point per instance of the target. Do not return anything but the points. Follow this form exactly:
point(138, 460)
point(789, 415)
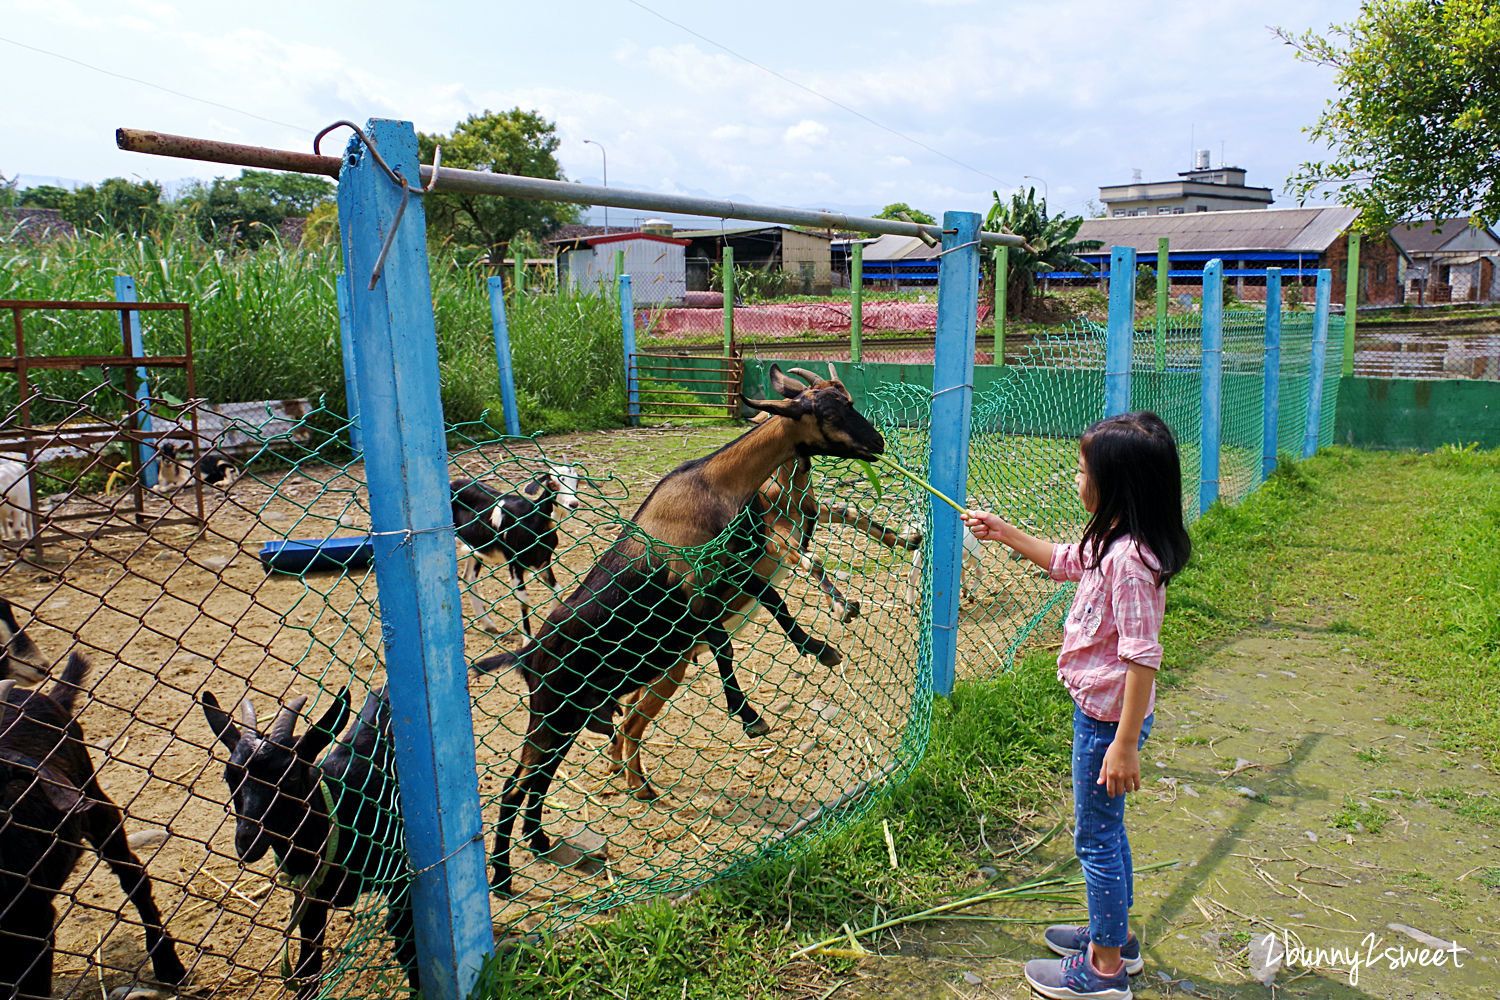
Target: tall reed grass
point(265, 326)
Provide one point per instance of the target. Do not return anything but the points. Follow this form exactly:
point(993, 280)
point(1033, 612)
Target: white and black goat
point(665, 586)
point(15, 501)
point(19, 658)
point(970, 562)
point(332, 825)
point(51, 803)
point(517, 530)
point(174, 470)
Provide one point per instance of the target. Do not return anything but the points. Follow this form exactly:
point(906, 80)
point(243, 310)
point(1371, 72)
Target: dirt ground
point(169, 613)
point(1263, 780)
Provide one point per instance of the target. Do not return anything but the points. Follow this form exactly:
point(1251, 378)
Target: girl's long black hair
point(1136, 477)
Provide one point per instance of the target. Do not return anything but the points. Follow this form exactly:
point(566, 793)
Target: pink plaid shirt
point(1116, 616)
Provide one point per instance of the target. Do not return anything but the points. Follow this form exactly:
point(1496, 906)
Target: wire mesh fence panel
point(165, 615)
point(678, 790)
point(1166, 378)
point(1023, 452)
point(1296, 371)
point(1331, 375)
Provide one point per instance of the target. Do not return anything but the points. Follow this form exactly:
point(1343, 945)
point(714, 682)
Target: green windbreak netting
point(168, 611)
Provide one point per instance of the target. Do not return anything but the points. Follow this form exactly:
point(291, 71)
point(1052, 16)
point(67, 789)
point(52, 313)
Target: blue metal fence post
point(952, 401)
point(351, 382)
point(406, 465)
point(1120, 338)
point(1319, 360)
point(1212, 377)
point(502, 356)
point(1271, 394)
point(627, 338)
point(144, 452)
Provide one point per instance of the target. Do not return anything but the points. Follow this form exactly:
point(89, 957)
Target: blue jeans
point(1099, 831)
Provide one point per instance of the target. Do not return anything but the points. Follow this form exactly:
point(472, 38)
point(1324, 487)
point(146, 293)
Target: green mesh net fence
point(168, 591)
point(267, 595)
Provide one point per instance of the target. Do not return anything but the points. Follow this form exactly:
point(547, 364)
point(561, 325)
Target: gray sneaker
point(1073, 978)
point(1065, 939)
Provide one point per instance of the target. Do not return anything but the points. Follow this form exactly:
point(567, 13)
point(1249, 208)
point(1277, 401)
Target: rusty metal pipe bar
point(514, 186)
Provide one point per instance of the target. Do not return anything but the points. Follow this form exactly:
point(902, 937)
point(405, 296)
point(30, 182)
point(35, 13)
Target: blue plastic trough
point(303, 555)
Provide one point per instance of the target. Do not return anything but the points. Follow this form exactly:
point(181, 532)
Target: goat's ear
point(322, 732)
point(219, 721)
point(789, 408)
point(61, 792)
point(784, 384)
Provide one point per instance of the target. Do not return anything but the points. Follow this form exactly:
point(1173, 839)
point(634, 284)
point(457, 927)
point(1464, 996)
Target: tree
point(1050, 239)
point(116, 205)
point(8, 193)
point(1415, 130)
point(507, 142)
point(249, 210)
point(900, 209)
point(44, 196)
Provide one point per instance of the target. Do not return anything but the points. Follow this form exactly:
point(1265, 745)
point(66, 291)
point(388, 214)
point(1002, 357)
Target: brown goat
point(792, 514)
point(664, 587)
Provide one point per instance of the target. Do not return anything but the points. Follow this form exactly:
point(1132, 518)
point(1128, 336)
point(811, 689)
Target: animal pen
point(172, 612)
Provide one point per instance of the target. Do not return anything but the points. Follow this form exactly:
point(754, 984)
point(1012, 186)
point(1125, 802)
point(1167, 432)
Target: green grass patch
point(1385, 550)
point(1358, 816)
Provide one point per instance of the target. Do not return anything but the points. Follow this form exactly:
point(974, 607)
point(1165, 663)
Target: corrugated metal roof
point(1424, 236)
point(1299, 230)
point(889, 247)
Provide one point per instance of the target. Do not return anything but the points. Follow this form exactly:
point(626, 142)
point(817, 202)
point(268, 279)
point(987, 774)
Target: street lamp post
point(1029, 177)
point(605, 157)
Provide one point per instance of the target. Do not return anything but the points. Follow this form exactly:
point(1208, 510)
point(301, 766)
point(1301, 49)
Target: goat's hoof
point(167, 967)
point(490, 627)
point(851, 611)
point(830, 657)
point(501, 887)
point(646, 793)
point(757, 727)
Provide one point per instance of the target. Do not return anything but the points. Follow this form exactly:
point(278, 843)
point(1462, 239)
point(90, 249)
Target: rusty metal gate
point(684, 385)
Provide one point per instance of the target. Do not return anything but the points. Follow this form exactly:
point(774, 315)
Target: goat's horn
point(833, 373)
point(286, 721)
point(247, 715)
point(811, 378)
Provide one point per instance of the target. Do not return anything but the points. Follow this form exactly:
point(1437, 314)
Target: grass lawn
point(1395, 552)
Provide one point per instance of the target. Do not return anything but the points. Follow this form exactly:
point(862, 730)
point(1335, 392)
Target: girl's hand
point(985, 526)
point(1121, 770)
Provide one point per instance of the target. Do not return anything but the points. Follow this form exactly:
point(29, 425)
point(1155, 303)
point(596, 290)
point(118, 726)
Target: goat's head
point(562, 480)
point(272, 778)
point(824, 415)
point(172, 468)
point(19, 657)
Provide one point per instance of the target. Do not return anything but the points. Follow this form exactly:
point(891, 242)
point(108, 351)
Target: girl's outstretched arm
point(989, 527)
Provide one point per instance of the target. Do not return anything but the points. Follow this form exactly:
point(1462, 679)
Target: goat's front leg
point(518, 582)
point(809, 645)
point(843, 610)
point(26, 942)
point(734, 697)
point(105, 831)
point(310, 930)
point(477, 607)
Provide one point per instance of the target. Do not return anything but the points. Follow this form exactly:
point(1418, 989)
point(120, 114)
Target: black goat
point(664, 587)
point(332, 825)
point(19, 657)
point(174, 472)
point(518, 530)
point(50, 802)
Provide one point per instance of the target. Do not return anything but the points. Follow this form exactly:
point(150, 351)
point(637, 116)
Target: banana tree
point(1051, 245)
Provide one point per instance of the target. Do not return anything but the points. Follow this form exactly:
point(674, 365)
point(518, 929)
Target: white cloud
point(806, 132)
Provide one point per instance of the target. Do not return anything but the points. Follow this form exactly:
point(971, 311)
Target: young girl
point(1130, 482)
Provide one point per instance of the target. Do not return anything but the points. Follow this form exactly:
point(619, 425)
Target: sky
point(840, 106)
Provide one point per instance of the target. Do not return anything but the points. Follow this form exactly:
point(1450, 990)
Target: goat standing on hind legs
point(647, 603)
